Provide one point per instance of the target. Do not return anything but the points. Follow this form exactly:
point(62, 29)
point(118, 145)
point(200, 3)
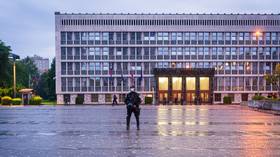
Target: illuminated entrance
point(183, 86)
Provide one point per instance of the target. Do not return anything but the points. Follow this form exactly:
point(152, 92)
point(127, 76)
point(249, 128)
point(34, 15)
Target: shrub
point(16, 101)
point(258, 97)
point(35, 100)
point(79, 100)
point(227, 100)
point(6, 100)
point(148, 100)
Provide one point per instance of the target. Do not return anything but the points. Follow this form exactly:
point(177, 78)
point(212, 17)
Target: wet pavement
point(166, 131)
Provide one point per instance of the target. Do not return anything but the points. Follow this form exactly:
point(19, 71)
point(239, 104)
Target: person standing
point(132, 102)
point(115, 102)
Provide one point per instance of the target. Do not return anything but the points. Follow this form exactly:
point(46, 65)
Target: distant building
point(41, 63)
point(175, 58)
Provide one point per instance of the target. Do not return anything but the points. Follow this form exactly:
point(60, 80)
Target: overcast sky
point(28, 25)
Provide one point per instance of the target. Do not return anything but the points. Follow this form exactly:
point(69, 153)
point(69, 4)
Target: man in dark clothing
point(132, 102)
point(115, 100)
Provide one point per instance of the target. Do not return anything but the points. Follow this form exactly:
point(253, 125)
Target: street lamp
point(14, 57)
point(258, 34)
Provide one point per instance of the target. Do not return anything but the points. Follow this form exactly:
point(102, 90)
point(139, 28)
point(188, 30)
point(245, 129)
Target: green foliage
point(16, 101)
point(43, 88)
point(6, 100)
point(35, 100)
point(258, 97)
point(5, 66)
point(227, 100)
point(27, 73)
point(274, 78)
point(148, 100)
point(46, 84)
point(79, 100)
point(6, 92)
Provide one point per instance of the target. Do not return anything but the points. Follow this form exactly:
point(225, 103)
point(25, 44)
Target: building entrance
point(183, 86)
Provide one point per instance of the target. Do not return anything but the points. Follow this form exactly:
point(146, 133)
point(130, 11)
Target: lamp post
point(14, 57)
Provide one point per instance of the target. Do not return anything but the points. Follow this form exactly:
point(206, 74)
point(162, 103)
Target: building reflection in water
point(256, 137)
point(182, 121)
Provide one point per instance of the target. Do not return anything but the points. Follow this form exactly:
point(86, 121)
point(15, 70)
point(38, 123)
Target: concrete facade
point(99, 55)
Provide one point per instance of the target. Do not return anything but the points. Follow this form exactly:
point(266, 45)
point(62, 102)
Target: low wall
point(265, 104)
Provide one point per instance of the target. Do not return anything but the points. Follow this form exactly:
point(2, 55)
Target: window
point(84, 36)
point(218, 97)
point(214, 36)
point(176, 83)
point(163, 83)
point(105, 36)
point(173, 51)
point(193, 51)
point(97, 66)
point(119, 51)
point(241, 36)
point(165, 36)
point(97, 36)
point(190, 83)
point(105, 51)
point(204, 83)
point(193, 36)
point(94, 97)
point(220, 36)
point(105, 66)
point(108, 98)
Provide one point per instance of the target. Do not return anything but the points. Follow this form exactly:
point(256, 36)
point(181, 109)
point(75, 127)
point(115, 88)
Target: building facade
point(174, 58)
point(41, 63)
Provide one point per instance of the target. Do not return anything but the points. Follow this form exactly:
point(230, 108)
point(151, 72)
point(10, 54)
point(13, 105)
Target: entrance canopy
point(184, 86)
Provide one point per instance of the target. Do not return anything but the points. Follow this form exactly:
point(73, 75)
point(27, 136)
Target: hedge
point(79, 100)
point(6, 100)
point(227, 100)
point(16, 101)
point(35, 100)
point(148, 100)
point(258, 97)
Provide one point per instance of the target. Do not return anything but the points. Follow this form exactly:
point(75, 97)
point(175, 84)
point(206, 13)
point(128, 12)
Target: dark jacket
point(133, 98)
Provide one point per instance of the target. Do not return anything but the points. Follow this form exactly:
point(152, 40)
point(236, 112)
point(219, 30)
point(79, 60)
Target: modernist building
point(174, 58)
point(41, 63)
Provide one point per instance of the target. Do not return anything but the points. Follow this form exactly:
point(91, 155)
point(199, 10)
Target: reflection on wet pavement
point(165, 131)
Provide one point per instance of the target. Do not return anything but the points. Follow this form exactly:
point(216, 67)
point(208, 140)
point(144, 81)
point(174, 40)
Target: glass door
point(190, 89)
point(176, 90)
point(163, 90)
point(204, 89)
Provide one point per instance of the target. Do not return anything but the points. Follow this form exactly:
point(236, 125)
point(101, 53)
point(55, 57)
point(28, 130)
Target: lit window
point(163, 83)
point(176, 83)
point(204, 83)
point(190, 83)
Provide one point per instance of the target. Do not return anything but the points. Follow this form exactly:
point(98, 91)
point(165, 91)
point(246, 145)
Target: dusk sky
point(28, 25)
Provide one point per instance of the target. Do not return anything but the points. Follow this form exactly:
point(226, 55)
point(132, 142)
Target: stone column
point(184, 91)
point(60, 100)
point(211, 88)
point(87, 99)
point(156, 88)
point(197, 91)
point(170, 90)
point(73, 98)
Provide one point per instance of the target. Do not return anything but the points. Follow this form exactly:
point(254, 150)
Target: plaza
point(206, 130)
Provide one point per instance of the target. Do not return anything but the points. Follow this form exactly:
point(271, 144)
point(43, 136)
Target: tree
point(46, 83)
point(51, 81)
point(43, 87)
point(27, 73)
point(5, 67)
point(274, 78)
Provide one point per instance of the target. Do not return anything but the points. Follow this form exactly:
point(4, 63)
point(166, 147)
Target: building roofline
point(59, 13)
